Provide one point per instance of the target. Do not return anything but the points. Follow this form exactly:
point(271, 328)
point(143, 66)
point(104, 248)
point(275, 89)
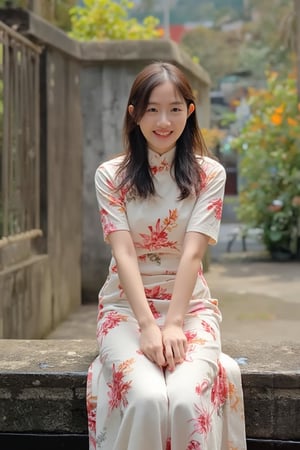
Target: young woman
point(160, 381)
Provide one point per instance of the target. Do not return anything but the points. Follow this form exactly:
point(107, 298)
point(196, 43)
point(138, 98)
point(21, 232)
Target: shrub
point(269, 149)
point(108, 19)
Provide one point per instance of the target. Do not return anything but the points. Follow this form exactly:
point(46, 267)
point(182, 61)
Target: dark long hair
point(137, 173)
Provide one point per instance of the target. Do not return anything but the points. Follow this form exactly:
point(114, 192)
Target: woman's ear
point(130, 109)
point(191, 109)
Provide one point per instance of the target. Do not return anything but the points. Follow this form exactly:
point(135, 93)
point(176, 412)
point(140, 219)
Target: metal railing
point(19, 135)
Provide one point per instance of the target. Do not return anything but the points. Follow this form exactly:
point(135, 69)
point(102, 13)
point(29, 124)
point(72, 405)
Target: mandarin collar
point(155, 158)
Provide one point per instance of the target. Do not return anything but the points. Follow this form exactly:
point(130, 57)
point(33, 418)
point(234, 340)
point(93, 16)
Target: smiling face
point(164, 118)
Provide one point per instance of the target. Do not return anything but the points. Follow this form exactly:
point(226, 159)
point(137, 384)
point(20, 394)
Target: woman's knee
point(149, 400)
point(230, 367)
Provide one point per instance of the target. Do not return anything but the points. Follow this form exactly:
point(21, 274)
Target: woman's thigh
point(128, 374)
point(200, 367)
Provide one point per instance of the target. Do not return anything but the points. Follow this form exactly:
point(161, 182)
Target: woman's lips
point(163, 133)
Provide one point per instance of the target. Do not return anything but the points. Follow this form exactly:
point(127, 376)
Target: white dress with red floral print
point(133, 404)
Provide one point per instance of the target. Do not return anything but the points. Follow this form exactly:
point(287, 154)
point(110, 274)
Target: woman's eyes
point(174, 109)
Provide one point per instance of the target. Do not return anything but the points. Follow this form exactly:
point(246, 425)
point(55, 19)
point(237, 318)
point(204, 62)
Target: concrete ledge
point(43, 33)
point(271, 385)
point(142, 50)
point(42, 385)
point(42, 389)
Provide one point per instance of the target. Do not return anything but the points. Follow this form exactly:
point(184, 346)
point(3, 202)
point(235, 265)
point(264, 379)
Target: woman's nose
point(163, 119)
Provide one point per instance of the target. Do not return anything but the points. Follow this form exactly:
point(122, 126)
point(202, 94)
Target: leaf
point(275, 235)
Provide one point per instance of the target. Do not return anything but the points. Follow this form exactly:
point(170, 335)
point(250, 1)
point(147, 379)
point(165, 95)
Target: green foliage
point(270, 164)
point(265, 45)
point(227, 119)
point(108, 19)
point(62, 16)
point(206, 43)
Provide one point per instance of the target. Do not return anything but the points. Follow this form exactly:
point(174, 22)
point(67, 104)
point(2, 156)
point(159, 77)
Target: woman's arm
point(194, 248)
point(130, 278)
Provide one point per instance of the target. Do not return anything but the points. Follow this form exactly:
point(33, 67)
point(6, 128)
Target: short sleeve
point(111, 201)
point(207, 212)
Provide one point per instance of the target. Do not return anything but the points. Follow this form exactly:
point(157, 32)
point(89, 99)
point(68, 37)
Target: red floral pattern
point(100, 310)
point(217, 206)
point(158, 237)
point(202, 387)
point(112, 319)
point(202, 423)
point(219, 392)
point(163, 166)
point(154, 311)
point(118, 387)
point(158, 293)
point(193, 341)
point(107, 226)
point(208, 329)
point(194, 445)
point(119, 199)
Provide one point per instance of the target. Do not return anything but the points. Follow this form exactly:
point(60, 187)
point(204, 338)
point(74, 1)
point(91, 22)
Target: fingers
point(166, 348)
point(172, 355)
point(160, 359)
point(169, 357)
point(151, 344)
point(157, 357)
point(175, 345)
point(175, 354)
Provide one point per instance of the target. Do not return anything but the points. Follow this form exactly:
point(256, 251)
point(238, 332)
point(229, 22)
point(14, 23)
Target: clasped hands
point(165, 347)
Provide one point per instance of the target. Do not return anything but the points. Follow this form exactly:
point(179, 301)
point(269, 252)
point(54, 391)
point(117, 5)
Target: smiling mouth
point(163, 133)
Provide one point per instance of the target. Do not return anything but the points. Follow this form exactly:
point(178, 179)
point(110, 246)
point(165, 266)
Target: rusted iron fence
point(19, 134)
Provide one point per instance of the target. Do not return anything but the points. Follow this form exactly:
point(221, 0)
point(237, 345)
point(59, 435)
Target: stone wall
point(40, 270)
point(25, 279)
point(63, 212)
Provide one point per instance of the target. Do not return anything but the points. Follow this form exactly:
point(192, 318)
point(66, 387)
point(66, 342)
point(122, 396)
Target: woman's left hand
point(175, 345)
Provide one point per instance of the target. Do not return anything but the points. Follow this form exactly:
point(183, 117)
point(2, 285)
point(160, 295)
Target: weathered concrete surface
point(42, 386)
point(271, 385)
point(41, 284)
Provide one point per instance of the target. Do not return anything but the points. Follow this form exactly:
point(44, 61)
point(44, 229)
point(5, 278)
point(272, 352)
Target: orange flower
point(272, 75)
point(292, 121)
point(276, 119)
point(279, 109)
point(252, 91)
point(160, 32)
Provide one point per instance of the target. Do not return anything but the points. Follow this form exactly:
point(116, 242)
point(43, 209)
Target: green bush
point(269, 149)
point(108, 19)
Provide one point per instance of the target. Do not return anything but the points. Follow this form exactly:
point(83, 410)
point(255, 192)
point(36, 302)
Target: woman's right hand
point(151, 344)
